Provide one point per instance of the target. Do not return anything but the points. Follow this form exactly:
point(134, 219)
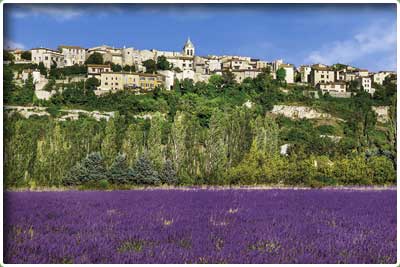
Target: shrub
point(144, 172)
point(119, 172)
point(90, 170)
point(168, 173)
point(103, 184)
point(382, 170)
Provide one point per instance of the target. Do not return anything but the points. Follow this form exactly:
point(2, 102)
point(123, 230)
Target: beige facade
point(361, 73)
point(48, 57)
point(240, 75)
point(236, 64)
point(366, 83)
point(350, 76)
point(332, 87)
point(169, 78)
point(305, 72)
point(380, 76)
point(94, 70)
point(262, 64)
point(73, 55)
point(321, 74)
point(17, 54)
point(148, 82)
point(116, 81)
point(289, 72)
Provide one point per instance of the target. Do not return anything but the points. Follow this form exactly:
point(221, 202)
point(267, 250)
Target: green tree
point(8, 83)
point(391, 133)
point(25, 95)
point(42, 69)
point(281, 75)
point(265, 135)
point(162, 63)
point(88, 171)
point(116, 67)
point(129, 68)
point(154, 144)
point(228, 79)
point(168, 174)
point(27, 55)
point(19, 152)
point(109, 148)
point(216, 148)
point(382, 169)
point(51, 157)
point(95, 58)
point(133, 143)
point(7, 56)
point(145, 173)
point(92, 83)
point(150, 65)
point(119, 172)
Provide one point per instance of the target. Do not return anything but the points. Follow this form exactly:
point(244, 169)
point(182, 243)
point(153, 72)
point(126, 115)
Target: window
point(46, 58)
point(116, 83)
point(105, 83)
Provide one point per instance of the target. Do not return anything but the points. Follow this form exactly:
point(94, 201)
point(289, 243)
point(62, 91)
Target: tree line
point(236, 147)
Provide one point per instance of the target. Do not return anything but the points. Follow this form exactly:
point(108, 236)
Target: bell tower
point(188, 49)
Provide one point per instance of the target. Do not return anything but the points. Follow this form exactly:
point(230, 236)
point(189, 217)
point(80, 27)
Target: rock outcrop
point(299, 112)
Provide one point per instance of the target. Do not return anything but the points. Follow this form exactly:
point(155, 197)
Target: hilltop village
point(108, 69)
point(74, 112)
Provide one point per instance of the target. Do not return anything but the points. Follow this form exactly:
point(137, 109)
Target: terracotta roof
point(47, 49)
point(70, 46)
point(336, 82)
point(321, 68)
point(251, 70)
point(134, 73)
point(286, 65)
point(98, 65)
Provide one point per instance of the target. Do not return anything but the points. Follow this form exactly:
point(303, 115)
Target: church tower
point(188, 49)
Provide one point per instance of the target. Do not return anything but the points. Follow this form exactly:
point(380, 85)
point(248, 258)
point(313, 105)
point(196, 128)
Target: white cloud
point(8, 44)
point(64, 12)
point(376, 39)
point(58, 12)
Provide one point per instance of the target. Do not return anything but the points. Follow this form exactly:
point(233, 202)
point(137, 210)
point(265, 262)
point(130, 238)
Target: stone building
point(48, 57)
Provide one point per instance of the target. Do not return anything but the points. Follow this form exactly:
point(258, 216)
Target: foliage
point(27, 55)
point(8, 56)
point(281, 75)
point(119, 172)
point(95, 58)
point(92, 83)
point(162, 63)
point(144, 172)
point(90, 170)
point(168, 174)
point(150, 65)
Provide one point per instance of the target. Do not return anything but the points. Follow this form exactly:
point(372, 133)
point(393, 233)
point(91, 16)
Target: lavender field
point(201, 226)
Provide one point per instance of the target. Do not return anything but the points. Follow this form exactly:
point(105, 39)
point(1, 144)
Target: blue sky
point(363, 35)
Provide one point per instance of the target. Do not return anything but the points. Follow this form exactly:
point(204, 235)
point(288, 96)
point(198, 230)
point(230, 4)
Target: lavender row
point(201, 226)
